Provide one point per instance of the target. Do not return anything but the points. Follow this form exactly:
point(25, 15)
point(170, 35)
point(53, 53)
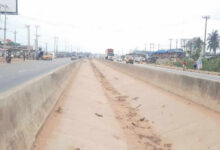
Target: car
point(73, 58)
point(129, 59)
point(152, 59)
point(47, 56)
point(139, 59)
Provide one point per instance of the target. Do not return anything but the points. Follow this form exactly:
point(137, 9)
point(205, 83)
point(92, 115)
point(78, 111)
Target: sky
point(124, 25)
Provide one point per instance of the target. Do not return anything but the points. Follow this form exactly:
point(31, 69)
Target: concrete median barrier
point(198, 90)
point(24, 109)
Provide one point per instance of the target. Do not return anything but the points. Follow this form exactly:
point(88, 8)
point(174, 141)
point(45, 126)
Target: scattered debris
point(135, 98)
point(59, 110)
point(138, 106)
point(167, 145)
point(99, 115)
point(142, 119)
point(134, 124)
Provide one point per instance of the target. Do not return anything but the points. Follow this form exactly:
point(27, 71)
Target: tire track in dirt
point(138, 131)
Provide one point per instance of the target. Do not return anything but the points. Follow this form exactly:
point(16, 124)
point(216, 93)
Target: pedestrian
point(184, 65)
point(195, 65)
point(24, 55)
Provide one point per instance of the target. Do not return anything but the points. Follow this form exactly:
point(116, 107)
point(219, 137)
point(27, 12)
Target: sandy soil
point(104, 109)
point(186, 125)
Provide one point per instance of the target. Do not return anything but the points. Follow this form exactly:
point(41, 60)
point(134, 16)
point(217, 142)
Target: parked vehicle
point(47, 56)
point(129, 59)
point(8, 56)
point(139, 59)
point(73, 58)
point(109, 54)
point(152, 59)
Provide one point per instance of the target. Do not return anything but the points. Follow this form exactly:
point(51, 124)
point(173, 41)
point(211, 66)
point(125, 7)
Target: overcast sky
point(95, 25)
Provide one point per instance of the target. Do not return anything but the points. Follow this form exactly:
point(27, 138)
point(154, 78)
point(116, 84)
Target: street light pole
point(170, 43)
point(5, 24)
point(204, 47)
point(36, 41)
point(28, 37)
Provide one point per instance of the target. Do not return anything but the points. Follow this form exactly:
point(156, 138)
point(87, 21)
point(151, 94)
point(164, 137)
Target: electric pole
point(5, 24)
point(183, 44)
point(176, 43)
point(36, 41)
point(145, 47)
point(204, 47)
point(170, 43)
point(15, 36)
point(46, 47)
point(158, 46)
point(55, 46)
point(28, 37)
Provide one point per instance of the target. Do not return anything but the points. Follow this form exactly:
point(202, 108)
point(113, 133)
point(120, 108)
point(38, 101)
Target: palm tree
point(213, 41)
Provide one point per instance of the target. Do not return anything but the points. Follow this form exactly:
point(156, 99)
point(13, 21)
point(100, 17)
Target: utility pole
point(5, 25)
point(152, 46)
point(28, 38)
point(15, 36)
point(55, 46)
point(46, 47)
point(176, 43)
point(204, 47)
point(158, 46)
point(145, 47)
point(170, 43)
point(183, 44)
point(36, 41)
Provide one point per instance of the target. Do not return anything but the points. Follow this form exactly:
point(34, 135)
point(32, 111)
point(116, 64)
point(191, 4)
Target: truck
point(109, 54)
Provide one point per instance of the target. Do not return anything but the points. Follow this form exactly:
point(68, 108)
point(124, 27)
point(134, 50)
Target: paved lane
point(12, 75)
point(191, 74)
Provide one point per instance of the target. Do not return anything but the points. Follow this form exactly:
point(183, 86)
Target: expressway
point(181, 72)
point(14, 74)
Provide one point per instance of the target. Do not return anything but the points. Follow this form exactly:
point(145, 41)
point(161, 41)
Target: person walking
point(184, 65)
point(195, 65)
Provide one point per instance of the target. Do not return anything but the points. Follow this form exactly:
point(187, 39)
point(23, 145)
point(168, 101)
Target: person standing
point(184, 65)
point(195, 65)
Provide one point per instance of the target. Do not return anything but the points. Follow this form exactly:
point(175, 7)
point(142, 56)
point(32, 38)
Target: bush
point(189, 63)
point(211, 64)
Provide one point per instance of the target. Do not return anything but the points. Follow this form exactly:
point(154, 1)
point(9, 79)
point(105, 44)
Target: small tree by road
point(195, 46)
point(213, 41)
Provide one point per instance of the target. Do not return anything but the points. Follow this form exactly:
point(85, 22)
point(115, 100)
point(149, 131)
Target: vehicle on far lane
point(73, 58)
point(47, 56)
point(129, 59)
point(109, 54)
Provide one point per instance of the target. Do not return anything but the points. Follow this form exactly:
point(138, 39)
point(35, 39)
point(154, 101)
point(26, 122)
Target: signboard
point(10, 7)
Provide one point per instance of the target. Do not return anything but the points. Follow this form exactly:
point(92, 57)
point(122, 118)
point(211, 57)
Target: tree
point(195, 47)
point(213, 41)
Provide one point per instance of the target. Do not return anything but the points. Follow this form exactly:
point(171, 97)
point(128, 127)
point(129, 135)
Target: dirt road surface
point(104, 109)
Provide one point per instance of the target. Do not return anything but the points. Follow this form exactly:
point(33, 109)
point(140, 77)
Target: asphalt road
point(181, 72)
point(12, 75)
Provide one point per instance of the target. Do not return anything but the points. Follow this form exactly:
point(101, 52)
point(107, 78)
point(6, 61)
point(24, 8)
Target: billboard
point(11, 7)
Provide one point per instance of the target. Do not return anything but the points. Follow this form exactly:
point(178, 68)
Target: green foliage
point(211, 64)
point(195, 47)
point(195, 54)
point(189, 63)
point(208, 64)
point(213, 41)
